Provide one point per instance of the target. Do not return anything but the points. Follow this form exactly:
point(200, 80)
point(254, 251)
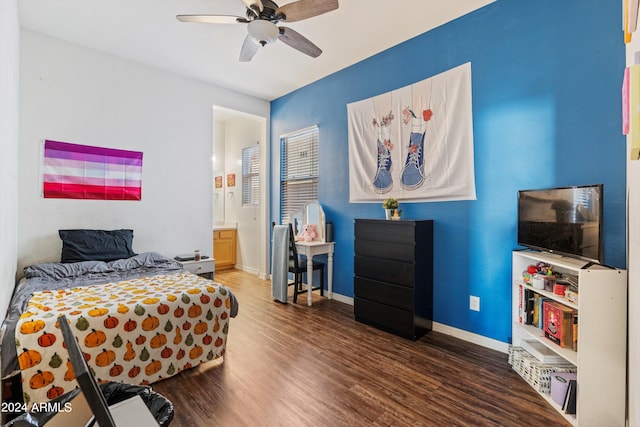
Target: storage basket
point(534, 372)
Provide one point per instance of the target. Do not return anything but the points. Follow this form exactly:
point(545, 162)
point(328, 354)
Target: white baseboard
point(247, 269)
point(338, 297)
point(342, 298)
point(449, 330)
point(262, 276)
point(471, 337)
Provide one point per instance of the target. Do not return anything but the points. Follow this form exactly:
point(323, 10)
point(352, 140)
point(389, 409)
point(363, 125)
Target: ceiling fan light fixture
point(261, 19)
point(263, 31)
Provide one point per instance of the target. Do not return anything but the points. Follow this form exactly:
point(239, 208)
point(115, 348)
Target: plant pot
point(388, 213)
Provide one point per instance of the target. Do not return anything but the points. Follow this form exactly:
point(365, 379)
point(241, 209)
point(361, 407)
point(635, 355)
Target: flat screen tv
point(564, 220)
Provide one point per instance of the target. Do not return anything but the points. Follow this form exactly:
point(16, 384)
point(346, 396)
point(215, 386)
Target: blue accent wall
point(546, 85)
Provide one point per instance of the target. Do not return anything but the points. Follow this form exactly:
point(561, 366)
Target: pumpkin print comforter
point(137, 331)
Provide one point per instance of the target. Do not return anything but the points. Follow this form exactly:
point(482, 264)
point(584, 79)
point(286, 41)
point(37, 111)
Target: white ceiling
point(148, 32)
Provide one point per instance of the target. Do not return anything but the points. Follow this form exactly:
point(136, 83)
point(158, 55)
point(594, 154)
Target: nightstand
point(204, 267)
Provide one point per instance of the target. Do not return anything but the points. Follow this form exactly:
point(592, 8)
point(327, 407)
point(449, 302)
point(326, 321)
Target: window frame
point(251, 175)
point(299, 170)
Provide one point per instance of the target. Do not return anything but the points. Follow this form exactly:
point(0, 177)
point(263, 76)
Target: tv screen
point(566, 220)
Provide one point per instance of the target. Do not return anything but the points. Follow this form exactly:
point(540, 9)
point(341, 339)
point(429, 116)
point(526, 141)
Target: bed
point(138, 320)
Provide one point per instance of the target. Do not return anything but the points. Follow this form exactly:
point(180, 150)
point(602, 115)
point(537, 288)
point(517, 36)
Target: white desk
point(317, 248)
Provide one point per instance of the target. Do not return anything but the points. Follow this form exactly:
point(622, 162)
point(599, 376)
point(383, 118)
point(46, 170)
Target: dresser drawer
point(396, 296)
point(385, 250)
point(385, 231)
point(387, 318)
point(199, 267)
point(400, 273)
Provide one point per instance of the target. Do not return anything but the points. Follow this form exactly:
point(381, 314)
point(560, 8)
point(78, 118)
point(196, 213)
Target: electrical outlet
point(474, 303)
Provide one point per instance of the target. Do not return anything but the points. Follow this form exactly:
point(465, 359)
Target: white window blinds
point(251, 175)
point(298, 170)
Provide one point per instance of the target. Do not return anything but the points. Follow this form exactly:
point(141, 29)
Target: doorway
point(232, 132)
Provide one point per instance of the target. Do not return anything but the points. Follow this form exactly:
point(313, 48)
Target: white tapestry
point(414, 143)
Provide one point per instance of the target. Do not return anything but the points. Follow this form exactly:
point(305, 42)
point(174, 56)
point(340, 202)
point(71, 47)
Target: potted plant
point(390, 205)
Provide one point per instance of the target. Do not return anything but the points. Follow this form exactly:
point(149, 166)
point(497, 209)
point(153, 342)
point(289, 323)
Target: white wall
point(240, 133)
point(633, 255)
point(9, 85)
point(72, 94)
point(218, 170)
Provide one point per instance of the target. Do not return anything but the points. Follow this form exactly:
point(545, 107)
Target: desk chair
point(298, 266)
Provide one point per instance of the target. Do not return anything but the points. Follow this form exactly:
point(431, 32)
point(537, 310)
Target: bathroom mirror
point(218, 198)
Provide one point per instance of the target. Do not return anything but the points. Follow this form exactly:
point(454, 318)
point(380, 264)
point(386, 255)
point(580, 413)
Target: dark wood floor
point(294, 365)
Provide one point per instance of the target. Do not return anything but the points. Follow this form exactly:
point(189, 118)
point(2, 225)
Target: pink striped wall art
point(73, 171)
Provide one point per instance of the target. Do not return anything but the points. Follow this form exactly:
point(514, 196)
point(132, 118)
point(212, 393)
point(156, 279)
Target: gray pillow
point(96, 245)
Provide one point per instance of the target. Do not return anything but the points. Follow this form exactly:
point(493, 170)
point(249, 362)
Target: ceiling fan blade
point(249, 49)
point(303, 9)
point(251, 3)
point(299, 42)
point(211, 19)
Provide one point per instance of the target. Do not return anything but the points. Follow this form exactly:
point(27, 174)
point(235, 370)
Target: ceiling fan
point(261, 19)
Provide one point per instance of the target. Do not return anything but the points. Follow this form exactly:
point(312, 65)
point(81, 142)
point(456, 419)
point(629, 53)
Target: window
point(298, 170)
point(251, 175)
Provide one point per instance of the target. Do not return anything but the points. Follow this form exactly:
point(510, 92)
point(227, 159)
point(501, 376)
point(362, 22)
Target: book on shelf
point(575, 331)
point(529, 303)
point(536, 309)
point(520, 305)
point(569, 405)
point(558, 323)
point(541, 301)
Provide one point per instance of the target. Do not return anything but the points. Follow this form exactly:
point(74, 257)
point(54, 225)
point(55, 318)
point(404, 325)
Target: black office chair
point(298, 266)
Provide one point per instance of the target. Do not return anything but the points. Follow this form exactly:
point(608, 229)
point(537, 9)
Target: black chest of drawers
point(393, 268)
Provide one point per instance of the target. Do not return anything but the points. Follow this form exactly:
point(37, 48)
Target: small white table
point(203, 267)
point(309, 249)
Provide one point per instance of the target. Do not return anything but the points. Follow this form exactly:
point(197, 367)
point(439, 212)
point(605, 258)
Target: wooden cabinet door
point(224, 249)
